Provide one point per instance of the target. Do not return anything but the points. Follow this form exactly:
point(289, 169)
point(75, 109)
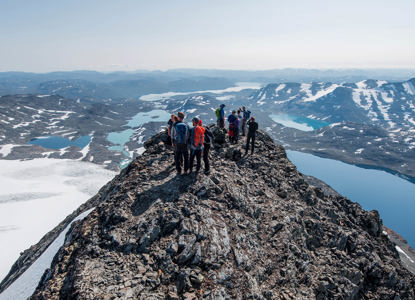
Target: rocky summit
point(252, 229)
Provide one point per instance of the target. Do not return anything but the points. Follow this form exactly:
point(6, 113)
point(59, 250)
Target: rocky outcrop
point(252, 229)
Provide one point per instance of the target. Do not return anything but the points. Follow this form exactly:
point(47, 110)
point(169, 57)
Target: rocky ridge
point(253, 229)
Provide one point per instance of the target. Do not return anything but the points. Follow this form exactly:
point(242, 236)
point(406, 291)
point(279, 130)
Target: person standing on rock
point(246, 114)
point(237, 126)
point(180, 137)
point(206, 147)
point(220, 115)
point(197, 136)
point(169, 126)
point(231, 120)
point(252, 128)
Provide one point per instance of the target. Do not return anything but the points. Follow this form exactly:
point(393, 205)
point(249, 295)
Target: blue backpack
point(181, 133)
point(247, 114)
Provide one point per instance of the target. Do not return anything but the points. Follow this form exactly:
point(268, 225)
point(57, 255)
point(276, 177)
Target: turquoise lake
point(58, 142)
point(391, 195)
point(119, 139)
point(298, 122)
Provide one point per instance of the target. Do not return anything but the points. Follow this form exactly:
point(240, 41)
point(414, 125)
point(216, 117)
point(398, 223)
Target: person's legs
point(235, 135)
point(177, 155)
point(198, 154)
point(192, 157)
point(243, 127)
point(206, 158)
point(186, 158)
point(221, 123)
point(248, 138)
point(253, 144)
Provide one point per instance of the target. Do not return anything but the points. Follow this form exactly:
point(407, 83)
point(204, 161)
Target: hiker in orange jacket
point(197, 135)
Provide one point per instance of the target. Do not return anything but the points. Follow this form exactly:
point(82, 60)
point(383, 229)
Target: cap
point(196, 120)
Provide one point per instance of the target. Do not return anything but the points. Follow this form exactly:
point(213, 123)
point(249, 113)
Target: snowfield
point(24, 286)
point(36, 195)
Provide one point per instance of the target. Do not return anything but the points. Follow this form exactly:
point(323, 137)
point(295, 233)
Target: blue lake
point(298, 122)
point(119, 139)
point(58, 142)
point(391, 195)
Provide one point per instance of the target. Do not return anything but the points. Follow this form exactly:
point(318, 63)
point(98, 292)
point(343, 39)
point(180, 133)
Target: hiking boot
point(207, 172)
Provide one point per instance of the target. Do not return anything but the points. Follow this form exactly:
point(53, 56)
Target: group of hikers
point(199, 138)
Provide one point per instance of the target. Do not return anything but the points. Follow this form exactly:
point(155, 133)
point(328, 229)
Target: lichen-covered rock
point(252, 229)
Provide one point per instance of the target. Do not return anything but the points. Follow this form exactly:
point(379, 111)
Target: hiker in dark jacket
point(197, 135)
point(206, 147)
point(252, 128)
point(236, 125)
point(180, 137)
point(246, 114)
point(169, 126)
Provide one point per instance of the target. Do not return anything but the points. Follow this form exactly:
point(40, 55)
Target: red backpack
point(198, 137)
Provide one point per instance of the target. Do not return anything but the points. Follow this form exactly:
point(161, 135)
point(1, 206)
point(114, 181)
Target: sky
point(109, 35)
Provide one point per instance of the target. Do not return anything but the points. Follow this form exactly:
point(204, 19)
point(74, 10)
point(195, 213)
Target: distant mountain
point(372, 122)
point(98, 86)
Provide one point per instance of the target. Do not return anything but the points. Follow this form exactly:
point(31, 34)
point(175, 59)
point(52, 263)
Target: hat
point(196, 120)
point(234, 111)
point(180, 115)
point(222, 105)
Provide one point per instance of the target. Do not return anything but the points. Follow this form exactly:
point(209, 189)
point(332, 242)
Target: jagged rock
point(253, 229)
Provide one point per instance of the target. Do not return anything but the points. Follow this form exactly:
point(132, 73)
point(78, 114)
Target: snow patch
point(409, 88)
point(24, 286)
point(71, 183)
point(404, 253)
point(320, 93)
point(6, 149)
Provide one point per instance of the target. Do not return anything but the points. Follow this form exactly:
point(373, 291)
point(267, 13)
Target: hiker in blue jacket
point(221, 119)
point(231, 123)
point(180, 137)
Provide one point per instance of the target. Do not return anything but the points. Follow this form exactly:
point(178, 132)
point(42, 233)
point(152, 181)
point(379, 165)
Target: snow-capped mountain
point(390, 105)
point(371, 122)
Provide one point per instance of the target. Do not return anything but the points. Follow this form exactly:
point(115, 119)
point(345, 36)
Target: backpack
point(247, 114)
point(181, 133)
point(217, 112)
point(198, 137)
point(208, 136)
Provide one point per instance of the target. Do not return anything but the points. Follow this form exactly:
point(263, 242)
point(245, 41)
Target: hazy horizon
point(132, 35)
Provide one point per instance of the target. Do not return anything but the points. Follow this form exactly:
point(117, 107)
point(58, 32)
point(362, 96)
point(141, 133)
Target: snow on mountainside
point(372, 121)
point(391, 105)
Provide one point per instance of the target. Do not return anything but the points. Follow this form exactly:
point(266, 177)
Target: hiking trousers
point(250, 137)
point(243, 127)
point(181, 154)
point(198, 154)
point(235, 134)
point(206, 148)
point(221, 123)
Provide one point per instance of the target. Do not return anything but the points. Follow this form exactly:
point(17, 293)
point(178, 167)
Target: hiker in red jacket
point(197, 135)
